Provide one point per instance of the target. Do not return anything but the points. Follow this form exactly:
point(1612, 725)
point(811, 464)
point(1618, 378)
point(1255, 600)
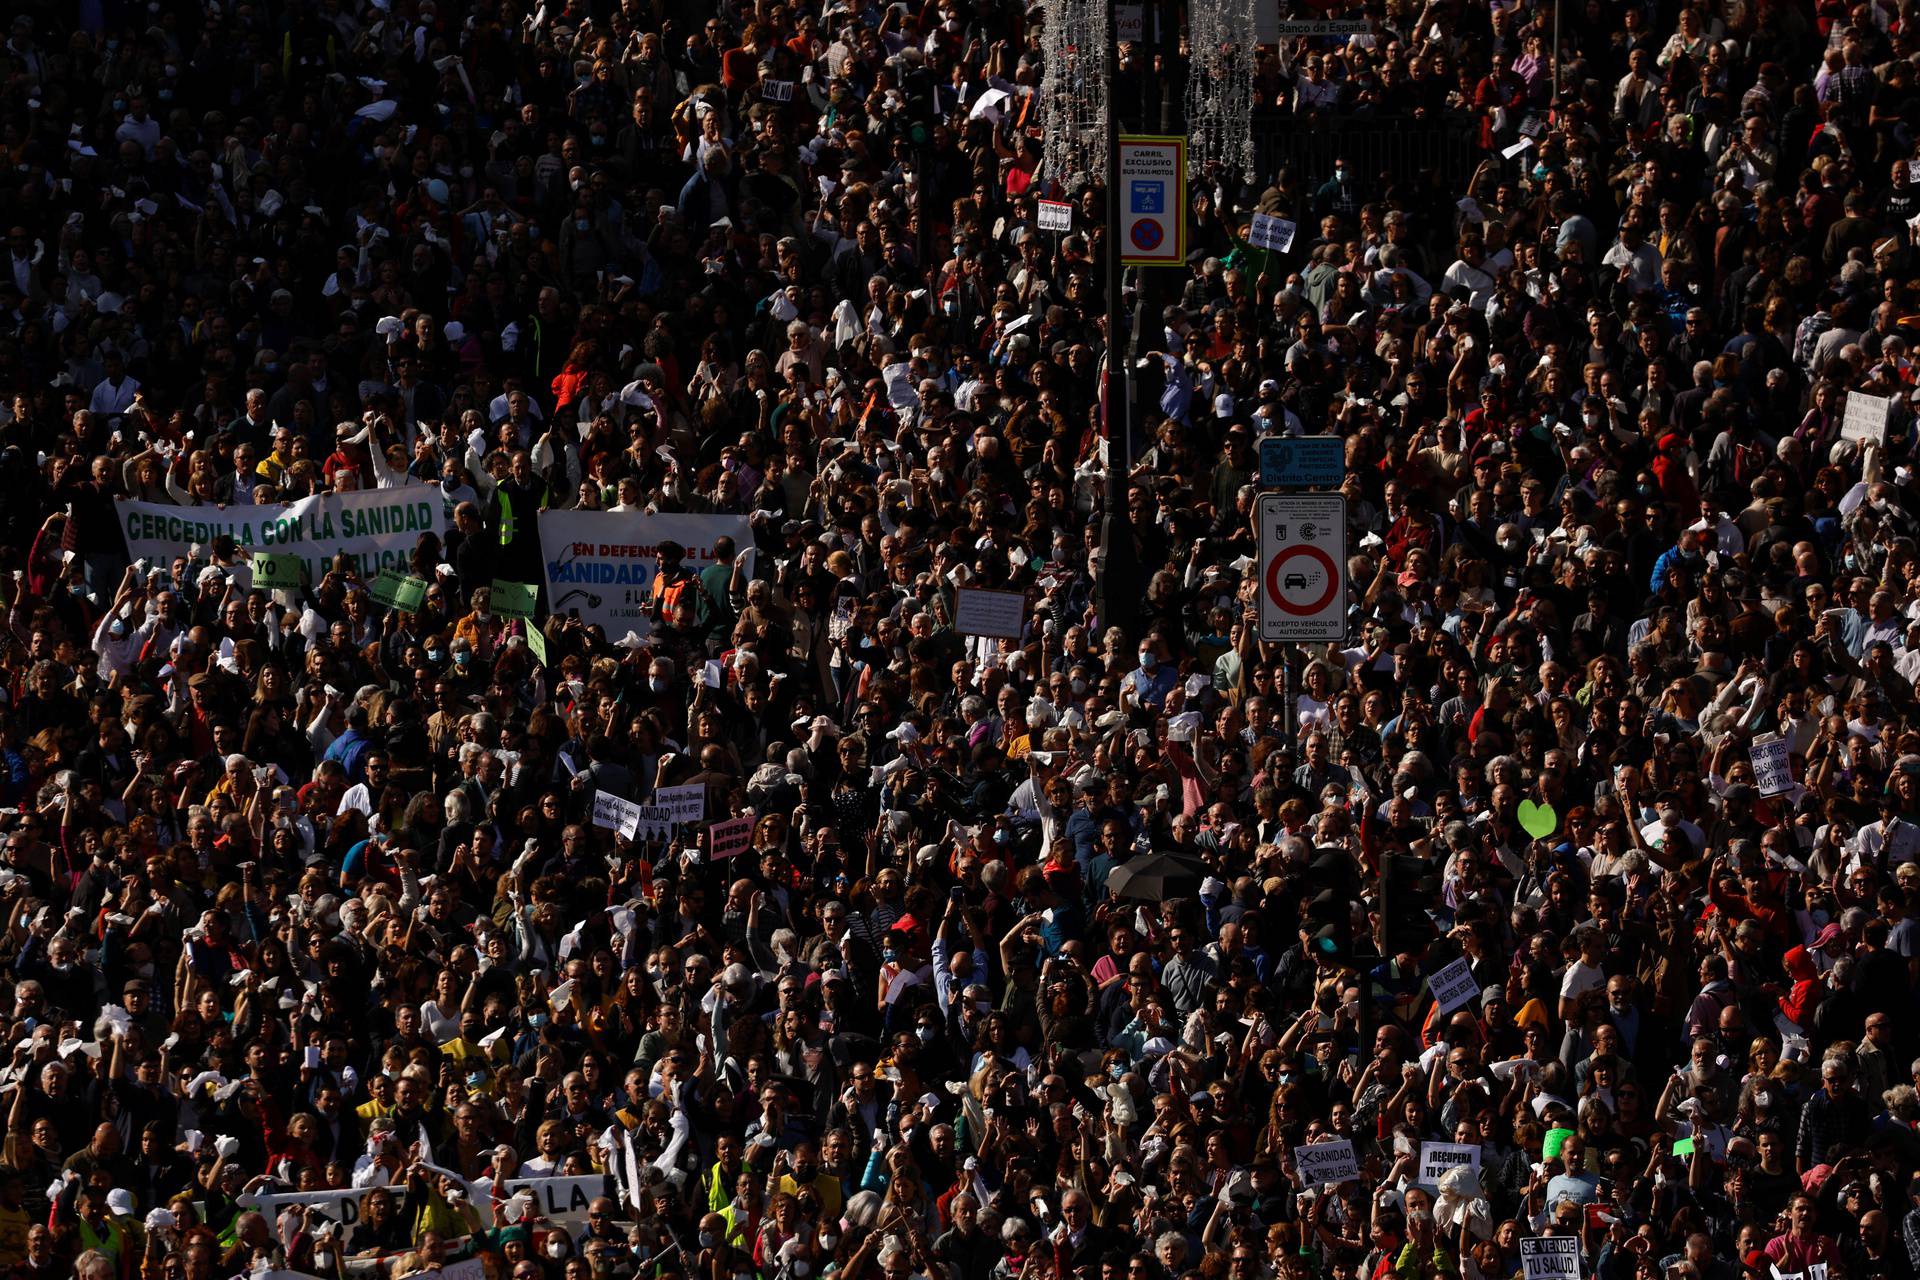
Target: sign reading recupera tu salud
point(1437, 1159)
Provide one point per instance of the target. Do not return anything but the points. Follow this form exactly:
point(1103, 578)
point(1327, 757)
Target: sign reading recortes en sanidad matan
point(377, 529)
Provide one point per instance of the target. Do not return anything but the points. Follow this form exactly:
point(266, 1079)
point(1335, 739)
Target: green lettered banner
point(377, 529)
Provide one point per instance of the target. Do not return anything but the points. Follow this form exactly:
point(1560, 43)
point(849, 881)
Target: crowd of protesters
point(1592, 850)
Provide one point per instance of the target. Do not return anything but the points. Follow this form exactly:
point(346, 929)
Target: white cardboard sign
point(1454, 986)
point(1326, 1163)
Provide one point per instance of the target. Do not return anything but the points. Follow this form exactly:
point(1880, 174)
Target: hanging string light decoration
point(1220, 84)
point(1073, 91)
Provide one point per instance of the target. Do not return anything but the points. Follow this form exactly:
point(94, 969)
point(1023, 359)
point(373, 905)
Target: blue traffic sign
point(1147, 197)
point(1302, 462)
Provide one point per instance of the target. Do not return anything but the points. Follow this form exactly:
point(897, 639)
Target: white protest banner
point(337, 1206)
point(377, 529)
point(1270, 231)
point(726, 839)
point(1866, 418)
point(600, 564)
point(1322, 1164)
point(615, 814)
point(1550, 1258)
point(1436, 1158)
point(686, 804)
point(990, 613)
point(1454, 985)
point(374, 1265)
point(777, 90)
point(560, 1199)
point(1056, 215)
point(653, 821)
point(1772, 773)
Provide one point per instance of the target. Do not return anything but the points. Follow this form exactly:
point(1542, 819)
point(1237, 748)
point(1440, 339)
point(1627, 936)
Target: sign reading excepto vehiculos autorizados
point(1303, 566)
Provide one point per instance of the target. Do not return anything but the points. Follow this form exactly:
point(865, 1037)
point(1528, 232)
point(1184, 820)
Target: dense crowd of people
point(1558, 921)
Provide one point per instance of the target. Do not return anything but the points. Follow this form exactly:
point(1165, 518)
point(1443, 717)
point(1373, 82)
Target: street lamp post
point(1119, 596)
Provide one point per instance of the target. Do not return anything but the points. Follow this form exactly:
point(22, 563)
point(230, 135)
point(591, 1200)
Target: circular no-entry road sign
point(1277, 579)
point(1146, 235)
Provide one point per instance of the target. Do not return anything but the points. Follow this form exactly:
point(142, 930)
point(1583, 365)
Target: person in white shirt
point(1469, 274)
point(113, 394)
point(1636, 99)
point(139, 127)
point(1315, 91)
point(1636, 261)
point(1585, 973)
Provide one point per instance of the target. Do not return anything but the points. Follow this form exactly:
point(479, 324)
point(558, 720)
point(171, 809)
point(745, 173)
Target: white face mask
point(556, 1249)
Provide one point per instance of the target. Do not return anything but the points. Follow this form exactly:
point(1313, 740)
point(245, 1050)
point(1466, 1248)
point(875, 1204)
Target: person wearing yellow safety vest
point(103, 1222)
point(520, 496)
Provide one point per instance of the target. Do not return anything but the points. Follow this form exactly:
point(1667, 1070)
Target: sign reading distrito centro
point(1302, 462)
point(1303, 566)
point(1153, 201)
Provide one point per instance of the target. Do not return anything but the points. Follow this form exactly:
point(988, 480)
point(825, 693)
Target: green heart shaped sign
point(1538, 820)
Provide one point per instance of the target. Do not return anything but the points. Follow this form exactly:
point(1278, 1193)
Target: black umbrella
point(1155, 877)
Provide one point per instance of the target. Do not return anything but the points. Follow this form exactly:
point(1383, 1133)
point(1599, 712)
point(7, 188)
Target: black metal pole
point(1119, 597)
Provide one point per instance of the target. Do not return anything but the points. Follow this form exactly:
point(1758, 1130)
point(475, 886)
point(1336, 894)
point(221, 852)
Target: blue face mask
point(536, 1020)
